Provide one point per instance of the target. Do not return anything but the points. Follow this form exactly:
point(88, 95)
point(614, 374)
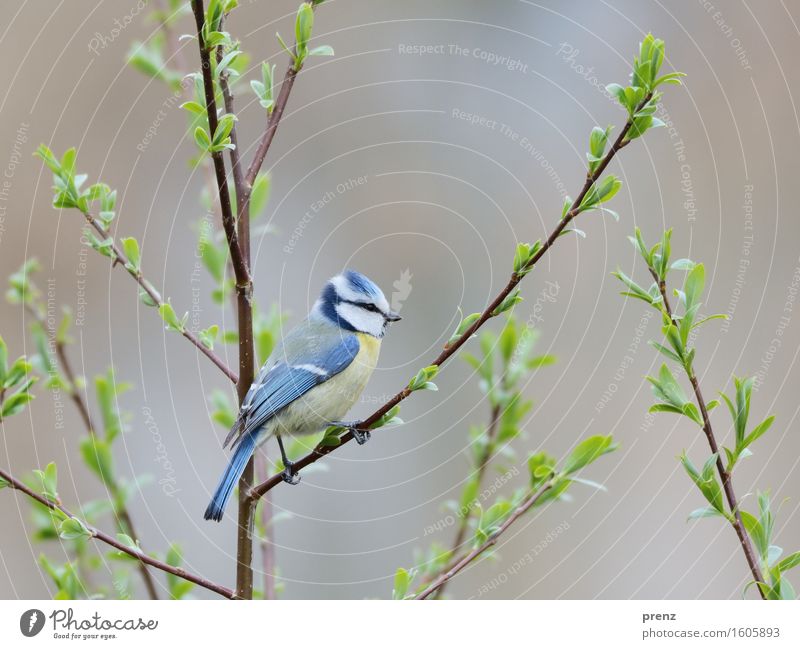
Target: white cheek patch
point(361, 319)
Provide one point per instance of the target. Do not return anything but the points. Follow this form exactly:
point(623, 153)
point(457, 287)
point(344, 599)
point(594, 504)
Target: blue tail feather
point(244, 451)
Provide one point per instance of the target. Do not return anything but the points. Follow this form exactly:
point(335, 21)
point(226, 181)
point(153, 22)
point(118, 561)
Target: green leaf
point(693, 285)
point(194, 107)
point(704, 512)
point(465, 324)
point(508, 302)
point(73, 528)
point(128, 542)
point(667, 389)
point(601, 191)
point(322, 50)
point(402, 581)
point(202, 139)
point(97, 456)
point(49, 481)
point(171, 319)
point(422, 380)
point(789, 562)
point(524, 255)
point(131, 248)
point(706, 481)
point(208, 336)
point(587, 452)
point(259, 195)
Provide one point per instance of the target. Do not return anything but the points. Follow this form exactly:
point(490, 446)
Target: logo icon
point(31, 622)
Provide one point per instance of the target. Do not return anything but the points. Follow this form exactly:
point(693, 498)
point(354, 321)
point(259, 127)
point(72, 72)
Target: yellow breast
point(331, 400)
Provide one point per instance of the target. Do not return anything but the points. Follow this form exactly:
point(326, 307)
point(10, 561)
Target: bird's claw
point(361, 435)
point(289, 475)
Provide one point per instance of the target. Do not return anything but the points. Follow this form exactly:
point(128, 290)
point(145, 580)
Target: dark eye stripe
point(364, 305)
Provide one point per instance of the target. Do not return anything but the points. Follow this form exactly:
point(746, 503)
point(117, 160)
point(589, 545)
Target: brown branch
point(241, 272)
point(119, 257)
point(244, 292)
point(724, 474)
point(273, 120)
point(269, 134)
point(124, 520)
point(110, 540)
point(451, 572)
point(321, 451)
point(482, 465)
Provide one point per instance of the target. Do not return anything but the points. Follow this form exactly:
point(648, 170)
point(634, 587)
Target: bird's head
point(354, 302)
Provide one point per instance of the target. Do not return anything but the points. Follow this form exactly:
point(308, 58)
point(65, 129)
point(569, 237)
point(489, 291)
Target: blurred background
point(425, 168)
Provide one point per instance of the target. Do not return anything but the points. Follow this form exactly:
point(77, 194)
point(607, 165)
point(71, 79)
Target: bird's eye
point(371, 307)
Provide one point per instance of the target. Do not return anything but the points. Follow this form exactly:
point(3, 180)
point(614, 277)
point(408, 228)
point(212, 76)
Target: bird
point(312, 378)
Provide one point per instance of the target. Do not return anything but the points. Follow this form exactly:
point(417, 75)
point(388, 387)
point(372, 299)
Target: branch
point(244, 292)
point(520, 511)
point(451, 348)
point(243, 281)
point(483, 463)
point(268, 136)
point(125, 521)
point(120, 257)
point(109, 540)
point(724, 474)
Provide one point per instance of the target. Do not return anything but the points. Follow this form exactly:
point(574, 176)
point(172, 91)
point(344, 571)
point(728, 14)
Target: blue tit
point(313, 377)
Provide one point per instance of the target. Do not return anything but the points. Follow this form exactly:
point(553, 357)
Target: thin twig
point(321, 451)
point(273, 120)
point(228, 220)
point(724, 474)
point(110, 540)
point(272, 126)
point(520, 511)
point(482, 465)
point(124, 519)
point(119, 257)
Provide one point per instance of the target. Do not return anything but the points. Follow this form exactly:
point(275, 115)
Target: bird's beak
point(393, 317)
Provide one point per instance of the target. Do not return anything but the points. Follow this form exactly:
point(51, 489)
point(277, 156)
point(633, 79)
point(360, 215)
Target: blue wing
point(279, 385)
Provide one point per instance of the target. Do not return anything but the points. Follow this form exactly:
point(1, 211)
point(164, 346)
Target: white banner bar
point(382, 624)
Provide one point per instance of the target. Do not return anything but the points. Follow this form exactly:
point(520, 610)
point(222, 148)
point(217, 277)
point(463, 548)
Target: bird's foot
point(289, 475)
point(361, 435)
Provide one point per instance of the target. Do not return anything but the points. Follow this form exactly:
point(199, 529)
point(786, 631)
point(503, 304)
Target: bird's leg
point(288, 474)
point(361, 435)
